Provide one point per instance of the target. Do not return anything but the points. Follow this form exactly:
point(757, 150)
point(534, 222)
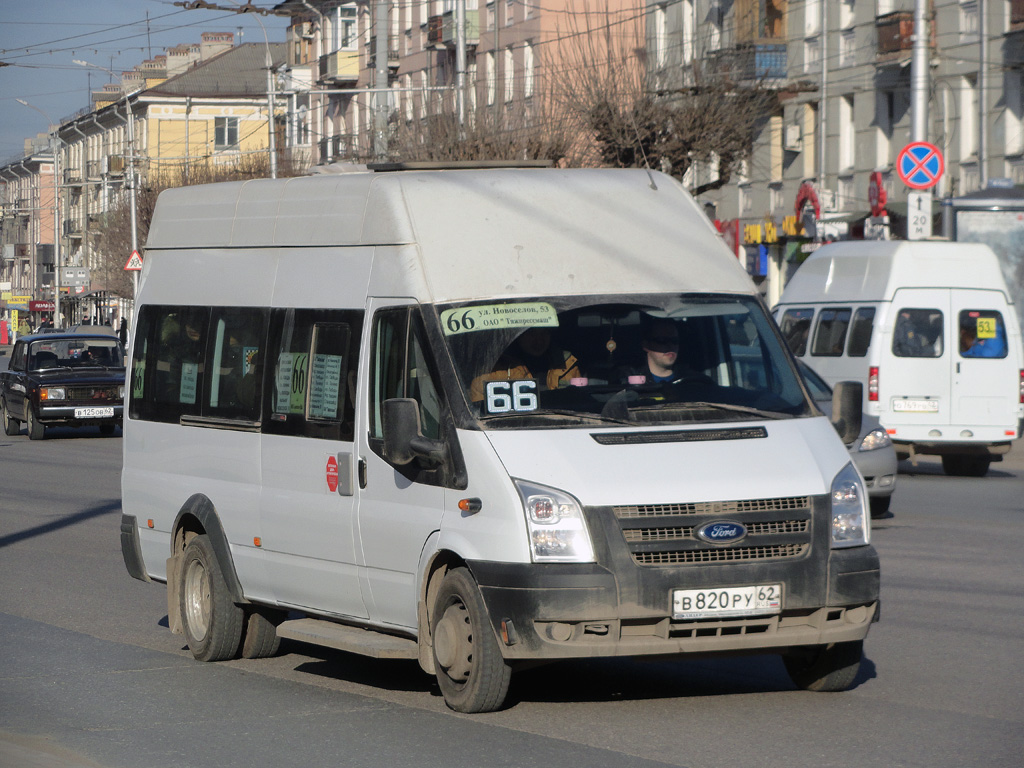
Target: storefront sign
point(40, 306)
point(18, 302)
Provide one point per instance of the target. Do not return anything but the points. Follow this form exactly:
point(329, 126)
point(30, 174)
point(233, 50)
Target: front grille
point(720, 555)
point(98, 394)
point(666, 534)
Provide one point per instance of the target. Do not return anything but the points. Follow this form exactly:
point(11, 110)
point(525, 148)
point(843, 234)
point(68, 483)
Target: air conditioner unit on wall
point(791, 140)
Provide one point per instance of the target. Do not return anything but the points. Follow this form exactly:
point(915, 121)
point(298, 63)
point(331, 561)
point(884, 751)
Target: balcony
point(1016, 15)
point(339, 67)
point(72, 175)
point(72, 228)
point(896, 35)
point(393, 57)
point(441, 31)
point(750, 62)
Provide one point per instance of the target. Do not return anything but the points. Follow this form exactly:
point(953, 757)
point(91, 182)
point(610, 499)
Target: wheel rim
point(197, 599)
point(453, 642)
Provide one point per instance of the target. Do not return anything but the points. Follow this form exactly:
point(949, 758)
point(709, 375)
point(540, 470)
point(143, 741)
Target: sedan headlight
point(851, 526)
point(875, 439)
point(554, 520)
point(51, 393)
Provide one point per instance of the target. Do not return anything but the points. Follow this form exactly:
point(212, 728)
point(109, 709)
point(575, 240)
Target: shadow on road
point(109, 508)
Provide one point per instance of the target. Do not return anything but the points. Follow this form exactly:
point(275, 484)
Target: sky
point(39, 39)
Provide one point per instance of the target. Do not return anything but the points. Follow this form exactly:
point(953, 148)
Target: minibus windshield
point(652, 359)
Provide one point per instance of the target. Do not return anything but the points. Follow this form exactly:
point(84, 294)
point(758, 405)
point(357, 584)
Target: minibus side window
point(830, 333)
point(169, 355)
point(982, 334)
point(860, 332)
point(236, 368)
point(918, 333)
point(796, 327)
point(312, 357)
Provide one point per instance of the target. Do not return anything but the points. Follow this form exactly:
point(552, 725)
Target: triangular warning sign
point(134, 262)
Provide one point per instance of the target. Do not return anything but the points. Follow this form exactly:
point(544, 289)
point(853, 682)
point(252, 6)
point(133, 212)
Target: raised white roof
point(872, 270)
point(504, 232)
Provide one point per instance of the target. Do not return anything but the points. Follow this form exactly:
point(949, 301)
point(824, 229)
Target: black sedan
point(63, 379)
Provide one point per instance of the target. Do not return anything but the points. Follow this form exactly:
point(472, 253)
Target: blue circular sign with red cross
point(920, 165)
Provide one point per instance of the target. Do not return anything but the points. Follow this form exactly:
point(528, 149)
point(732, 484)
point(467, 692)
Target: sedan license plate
point(93, 413)
point(726, 602)
point(915, 406)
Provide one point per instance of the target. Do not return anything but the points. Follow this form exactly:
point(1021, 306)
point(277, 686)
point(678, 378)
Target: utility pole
point(823, 109)
point(380, 139)
point(982, 93)
point(55, 149)
point(460, 60)
point(919, 75)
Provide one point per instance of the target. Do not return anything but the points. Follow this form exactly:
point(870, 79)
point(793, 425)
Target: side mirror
point(403, 438)
point(847, 409)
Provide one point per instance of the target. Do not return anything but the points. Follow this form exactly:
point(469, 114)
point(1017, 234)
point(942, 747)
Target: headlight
point(554, 520)
point(851, 526)
point(51, 393)
point(875, 439)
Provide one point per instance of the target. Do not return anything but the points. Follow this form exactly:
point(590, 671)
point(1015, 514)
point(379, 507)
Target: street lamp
point(54, 142)
point(131, 173)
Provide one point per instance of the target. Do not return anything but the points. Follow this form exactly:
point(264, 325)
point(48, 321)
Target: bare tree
point(636, 121)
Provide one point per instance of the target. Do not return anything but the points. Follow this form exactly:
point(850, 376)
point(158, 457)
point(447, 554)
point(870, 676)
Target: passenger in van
point(531, 356)
point(972, 346)
point(918, 333)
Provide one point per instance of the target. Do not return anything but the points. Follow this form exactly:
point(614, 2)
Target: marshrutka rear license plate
point(93, 413)
point(726, 602)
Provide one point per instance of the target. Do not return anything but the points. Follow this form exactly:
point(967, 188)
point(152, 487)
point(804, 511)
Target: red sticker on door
point(332, 474)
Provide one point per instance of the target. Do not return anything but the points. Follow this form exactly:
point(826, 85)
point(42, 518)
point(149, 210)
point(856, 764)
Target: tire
point(471, 672)
point(966, 466)
point(36, 431)
point(106, 429)
point(261, 640)
point(880, 506)
point(12, 426)
point(212, 622)
point(827, 668)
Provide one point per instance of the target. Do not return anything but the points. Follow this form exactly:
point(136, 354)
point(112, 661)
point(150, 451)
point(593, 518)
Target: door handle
point(362, 472)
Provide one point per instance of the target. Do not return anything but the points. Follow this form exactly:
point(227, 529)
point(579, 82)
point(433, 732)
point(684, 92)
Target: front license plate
point(93, 413)
point(726, 602)
point(915, 406)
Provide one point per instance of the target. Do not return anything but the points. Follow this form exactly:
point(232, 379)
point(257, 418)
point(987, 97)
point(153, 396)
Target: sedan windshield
point(649, 359)
point(77, 352)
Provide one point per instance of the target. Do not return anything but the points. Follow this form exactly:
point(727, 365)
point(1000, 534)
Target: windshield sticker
point(189, 383)
point(511, 396)
point(487, 317)
point(324, 385)
point(986, 328)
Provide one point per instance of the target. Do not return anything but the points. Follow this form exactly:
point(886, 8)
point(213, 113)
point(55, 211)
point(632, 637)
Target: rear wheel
point(36, 431)
point(212, 622)
point(11, 425)
point(826, 668)
point(471, 672)
point(966, 466)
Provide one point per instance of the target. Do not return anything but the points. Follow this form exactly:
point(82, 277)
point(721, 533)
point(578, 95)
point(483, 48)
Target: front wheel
point(36, 431)
point(11, 425)
point(471, 672)
point(211, 620)
point(826, 668)
point(879, 505)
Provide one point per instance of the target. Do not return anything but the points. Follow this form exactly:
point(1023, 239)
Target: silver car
point(872, 451)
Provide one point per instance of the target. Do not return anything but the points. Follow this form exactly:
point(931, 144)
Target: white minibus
point(414, 414)
point(929, 329)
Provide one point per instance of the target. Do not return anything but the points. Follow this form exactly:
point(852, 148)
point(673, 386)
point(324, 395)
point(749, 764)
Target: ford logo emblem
point(722, 532)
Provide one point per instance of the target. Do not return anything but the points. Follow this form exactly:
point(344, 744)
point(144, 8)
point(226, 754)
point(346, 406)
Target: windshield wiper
point(582, 417)
point(694, 406)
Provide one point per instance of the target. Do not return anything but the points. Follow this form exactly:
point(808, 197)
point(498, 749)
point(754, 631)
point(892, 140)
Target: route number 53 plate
point(726, 602)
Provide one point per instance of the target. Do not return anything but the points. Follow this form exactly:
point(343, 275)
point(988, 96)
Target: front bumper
point(65, 414)
point(617, 607)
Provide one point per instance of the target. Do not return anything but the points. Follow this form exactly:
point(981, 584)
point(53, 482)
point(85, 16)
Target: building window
point(1013, 115)
point(490, 15)
point(660, 44)
point(812, 54)
point(509, 75)
point(847, 133)
point(968, 116)
point(812, 17)
point(345, 27)
point(687, 31)
point(509, 12)
point(491, 77)
point(847, 48)
point(846, 14)
point(714, 27)
point(746, 199)
point(845, 193)
point(776, 199)
point(969, 21)
point(225, 132)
